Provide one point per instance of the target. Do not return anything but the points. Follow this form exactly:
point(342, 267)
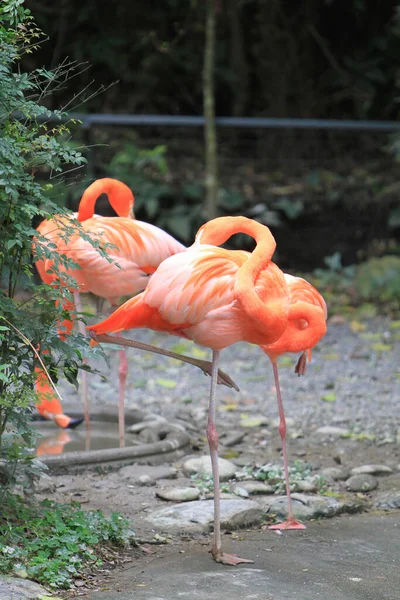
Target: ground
point(353, 383)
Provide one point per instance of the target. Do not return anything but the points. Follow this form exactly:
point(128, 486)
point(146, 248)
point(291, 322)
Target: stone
point(202, 466)
point(14, 588)
point(233, 438)
point(330, 430)
point(256, 487)
point(335, 473)
point(306, 485)
point(387, 500)
point(198, 516)
point(304, 507)
point(155, 421)
point(45, 485)
point(361, 483)
point(146, 475)
point(178, 494)
point(372, 470)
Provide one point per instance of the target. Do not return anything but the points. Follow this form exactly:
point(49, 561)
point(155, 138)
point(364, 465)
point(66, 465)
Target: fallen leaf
point(329, 397)
point(331, 356)
point(256, 378)
point(167, 383)
point(370, 336)
point(356, 326)
point(253, 421)
point(232, 406)
point(199, 353)
point(286, 361)
point(381, 347)
point(180, 348)
point(230, 454)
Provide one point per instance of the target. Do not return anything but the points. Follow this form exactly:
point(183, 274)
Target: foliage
point(153, 51)
point(275, 477)
point(374, 281)
point(204, 482)
point(378, 279)
point(52, 543)
point(28, 314)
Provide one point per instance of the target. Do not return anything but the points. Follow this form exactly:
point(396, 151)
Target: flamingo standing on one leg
point(296, 338)
point(136, 249)
point(217, 297)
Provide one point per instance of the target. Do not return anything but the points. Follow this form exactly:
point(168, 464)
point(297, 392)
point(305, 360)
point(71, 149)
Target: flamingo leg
point(123, 372)
point(212, 437)
point(84, 381)
point(291, 522)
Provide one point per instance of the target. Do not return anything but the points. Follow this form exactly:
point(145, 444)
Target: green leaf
point(331, 397)
point(167, 383)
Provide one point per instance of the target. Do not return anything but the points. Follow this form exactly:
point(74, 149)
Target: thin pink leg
point(123, 372)
point(212, 436)
point(84, 381)
point(291, 522)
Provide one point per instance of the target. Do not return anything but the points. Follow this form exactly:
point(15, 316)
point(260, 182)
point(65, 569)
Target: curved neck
point(306, 327)
point(119, 196)
point(270, 317)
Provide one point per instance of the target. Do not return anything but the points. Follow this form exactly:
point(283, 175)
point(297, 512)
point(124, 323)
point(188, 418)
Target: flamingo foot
point(289, 524)
point(228, 559)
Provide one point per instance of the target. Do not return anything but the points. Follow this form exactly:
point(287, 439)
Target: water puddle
point(102, 435)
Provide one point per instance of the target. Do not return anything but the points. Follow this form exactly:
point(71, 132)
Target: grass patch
point(52, 543)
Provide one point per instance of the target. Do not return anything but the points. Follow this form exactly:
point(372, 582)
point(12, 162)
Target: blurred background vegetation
point(322, 192)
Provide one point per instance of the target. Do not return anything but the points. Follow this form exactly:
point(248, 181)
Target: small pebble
point(178, 494)
point(202, 465)
point(362, 483)
point(372, 470)
point(333, 431)
point(335, 473)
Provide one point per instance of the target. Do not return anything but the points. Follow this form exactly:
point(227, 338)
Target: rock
point(306, 485)
point(146, 475)
point(329, 430)
point(45, 485)
point(240, 491)
point(154, 421)
point(233, 438)
point(202, 465)
point(361, 483)
point(387, 500)
point(14, 588)
point(178, 494)
point(304, 507)
point(198, 516)
point(335, 473)
point(256, 487)
point(372, 470)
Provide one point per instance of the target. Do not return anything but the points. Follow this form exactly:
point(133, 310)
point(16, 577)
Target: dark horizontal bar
point(188, 121)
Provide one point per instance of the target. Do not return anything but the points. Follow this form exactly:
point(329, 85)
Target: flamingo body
point(134, 250)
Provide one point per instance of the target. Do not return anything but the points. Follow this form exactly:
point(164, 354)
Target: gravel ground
point(353, 381)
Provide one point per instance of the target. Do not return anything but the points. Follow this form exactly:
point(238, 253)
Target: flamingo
point(217, 297)
point(134, 251)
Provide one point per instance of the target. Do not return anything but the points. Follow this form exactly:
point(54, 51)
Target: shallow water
point(54, 441)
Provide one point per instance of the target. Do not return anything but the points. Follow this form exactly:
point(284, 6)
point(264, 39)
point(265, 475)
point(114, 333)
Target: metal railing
point(88, 120)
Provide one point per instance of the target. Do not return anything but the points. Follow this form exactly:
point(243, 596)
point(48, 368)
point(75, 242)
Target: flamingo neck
point(270, 319)
point(119, 195)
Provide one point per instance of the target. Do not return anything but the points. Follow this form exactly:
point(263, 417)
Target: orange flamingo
point(217, 297)
point(134, 251)
point(298, 337)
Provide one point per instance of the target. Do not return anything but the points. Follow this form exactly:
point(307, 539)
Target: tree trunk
point(210, 133)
